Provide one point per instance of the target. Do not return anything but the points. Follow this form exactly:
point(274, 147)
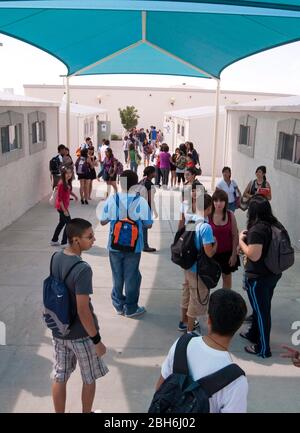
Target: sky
point(276, 70)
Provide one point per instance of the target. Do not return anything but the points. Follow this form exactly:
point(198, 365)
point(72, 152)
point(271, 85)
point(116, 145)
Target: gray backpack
point(280, 255)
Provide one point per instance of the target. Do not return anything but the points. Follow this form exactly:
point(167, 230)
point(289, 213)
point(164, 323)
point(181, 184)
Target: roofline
point(266, 108)
point(166, 89)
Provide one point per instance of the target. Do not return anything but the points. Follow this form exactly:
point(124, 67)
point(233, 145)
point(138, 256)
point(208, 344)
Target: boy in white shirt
point(206, 355)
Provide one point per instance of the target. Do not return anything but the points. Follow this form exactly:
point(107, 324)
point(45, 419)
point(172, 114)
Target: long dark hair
point(262, 168)
point(67, 184)
point(260, 211)
point(182, 149)
point(220, 195)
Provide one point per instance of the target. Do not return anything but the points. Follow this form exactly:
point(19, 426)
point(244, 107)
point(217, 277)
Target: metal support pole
point(68, 113)
point(216, 131)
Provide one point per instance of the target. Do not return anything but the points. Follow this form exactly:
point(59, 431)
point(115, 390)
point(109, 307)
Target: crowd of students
point(130, 214)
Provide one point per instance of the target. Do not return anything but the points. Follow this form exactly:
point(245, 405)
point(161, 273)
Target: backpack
point(183, 250)
point(58, 313)
point(280, 255)
point(125, 233)
point(120, 168)
point(181, 163)
point(180, 394)
point(82, 167)
point(54, 165)
point(208, 270)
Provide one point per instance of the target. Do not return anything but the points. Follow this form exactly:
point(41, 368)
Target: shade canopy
point(191, 38)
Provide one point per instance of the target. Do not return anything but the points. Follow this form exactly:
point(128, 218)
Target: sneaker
point(82, 201)
point(86, 202)
point(55, 244)
point(139, 312)
point(120, 312)
point(183, 326)
point(249, 319)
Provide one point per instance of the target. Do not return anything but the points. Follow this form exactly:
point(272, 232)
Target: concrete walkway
point(136, 348)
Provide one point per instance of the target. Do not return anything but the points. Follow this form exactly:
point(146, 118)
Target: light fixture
point(172, 101)
point(99, 99)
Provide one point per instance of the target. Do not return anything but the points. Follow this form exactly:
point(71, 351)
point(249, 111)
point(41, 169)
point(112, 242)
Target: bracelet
point(96, 339)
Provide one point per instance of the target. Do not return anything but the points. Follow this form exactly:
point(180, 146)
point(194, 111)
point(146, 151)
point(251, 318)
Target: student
point(259, 281)
point(83, 171)
point(83, 344)
point(110, 170)
point(93, 163)
point(224, 226)
point(55, 165)
point(132, 158)
point(125, 265)
point(208, 354)
point(181, 161)
point(165, 159)
point(191, 151)
point(195, 294)
point(173, 169)
point(260, 185)
point(125, 148)
point(146, 182)
point(64, 191)
point(230, 187)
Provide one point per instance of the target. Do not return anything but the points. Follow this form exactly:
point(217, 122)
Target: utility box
point(103, 131)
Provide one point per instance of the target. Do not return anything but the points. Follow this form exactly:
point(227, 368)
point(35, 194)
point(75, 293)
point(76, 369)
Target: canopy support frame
point(216, 132)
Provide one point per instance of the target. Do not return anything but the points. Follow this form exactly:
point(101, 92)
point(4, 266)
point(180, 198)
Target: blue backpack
point(58, 313)
point(180, 394)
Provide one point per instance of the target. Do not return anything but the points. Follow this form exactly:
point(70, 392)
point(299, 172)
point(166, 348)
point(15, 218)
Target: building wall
point(26, 181)
point(285, 187)
point(151, 102)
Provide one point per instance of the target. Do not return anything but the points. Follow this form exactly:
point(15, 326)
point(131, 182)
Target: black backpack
point(208, 269)
point(54, 165)
point(183, 250)
point(280, 255)
point(180, 394)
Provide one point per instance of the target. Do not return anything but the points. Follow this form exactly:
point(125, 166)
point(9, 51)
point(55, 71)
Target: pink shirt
point(165, 159)
point(62, 195)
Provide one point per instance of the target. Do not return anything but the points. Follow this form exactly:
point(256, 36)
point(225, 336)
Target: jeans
point(231, 206)
point(63, 221)
point(165, 175)
point(157, 175)
point(126, 156)
point(260, 292)
point(126, 275)
point(133, 166)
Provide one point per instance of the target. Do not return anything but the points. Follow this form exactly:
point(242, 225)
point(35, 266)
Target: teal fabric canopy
point(192, 38)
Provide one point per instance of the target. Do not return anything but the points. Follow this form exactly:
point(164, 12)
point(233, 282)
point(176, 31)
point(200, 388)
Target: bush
point(115, 137)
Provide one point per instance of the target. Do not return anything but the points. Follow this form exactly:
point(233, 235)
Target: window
point(289, 147)
point(178, 129)
point(38, 132)
point(86, 128)
point(246, 137)
point(91, 126)
point(287, 150)
point(11, 133)
point(182, 131)
point(37, 125)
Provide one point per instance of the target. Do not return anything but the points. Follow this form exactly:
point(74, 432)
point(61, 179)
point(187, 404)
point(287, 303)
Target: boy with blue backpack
point(128, 213)
point(198, 375)
point(69, 314)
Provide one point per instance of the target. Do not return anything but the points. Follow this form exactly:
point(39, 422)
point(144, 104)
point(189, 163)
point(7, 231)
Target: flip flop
point(252, 349)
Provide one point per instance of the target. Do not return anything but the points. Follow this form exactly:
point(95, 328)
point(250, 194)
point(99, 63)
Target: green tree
point(129, 117)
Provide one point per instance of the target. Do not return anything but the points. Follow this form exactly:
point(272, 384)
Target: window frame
point(9, 119)
point(289, 127)
point(250, 122)
point(36, 141)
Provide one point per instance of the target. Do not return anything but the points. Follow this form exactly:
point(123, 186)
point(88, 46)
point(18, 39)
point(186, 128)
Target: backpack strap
point(71, 269)
point(51, 261)
point(221, 378)
point(180, 365)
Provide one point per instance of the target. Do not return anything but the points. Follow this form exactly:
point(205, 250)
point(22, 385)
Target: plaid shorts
point(68, 352)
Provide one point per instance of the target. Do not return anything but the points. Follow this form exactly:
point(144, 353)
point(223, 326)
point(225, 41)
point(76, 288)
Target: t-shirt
point(153, 134)
point(63, 195)
point(260, 234)
point(165, 160)
point(204, 360)
point(230, 190)
point(79, 282)
point(139, 211)
point(203, 235)
point(103, 149)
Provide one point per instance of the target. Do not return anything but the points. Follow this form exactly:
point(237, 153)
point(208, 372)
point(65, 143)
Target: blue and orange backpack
point(125, 233)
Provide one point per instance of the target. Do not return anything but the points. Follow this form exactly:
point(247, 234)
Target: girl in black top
point(259, 281)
